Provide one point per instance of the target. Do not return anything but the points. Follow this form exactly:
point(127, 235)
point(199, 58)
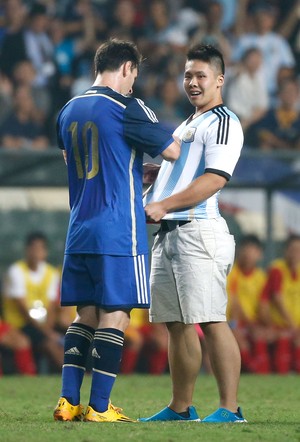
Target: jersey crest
point(189, 135)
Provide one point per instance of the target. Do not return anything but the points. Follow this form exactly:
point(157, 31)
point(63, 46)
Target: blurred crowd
point(263, 312)
point(47, 49)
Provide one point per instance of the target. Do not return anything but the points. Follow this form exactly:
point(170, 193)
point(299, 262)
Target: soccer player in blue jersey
point(194, 251)
point(103, 134)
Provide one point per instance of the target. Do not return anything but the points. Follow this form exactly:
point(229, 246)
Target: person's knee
point(212, 328)
point(118, 319)
point(180, 331)
point(87, 315)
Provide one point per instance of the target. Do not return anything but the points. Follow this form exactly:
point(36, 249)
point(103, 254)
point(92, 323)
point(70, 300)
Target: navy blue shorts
point(108, 282)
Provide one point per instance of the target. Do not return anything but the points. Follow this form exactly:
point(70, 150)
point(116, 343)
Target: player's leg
point(107, 355)
point(77, 343)
point(184, 346)
point(120, 286)
point(222, 346)
point(225, 359)
point(184, 362)
point(77, 289)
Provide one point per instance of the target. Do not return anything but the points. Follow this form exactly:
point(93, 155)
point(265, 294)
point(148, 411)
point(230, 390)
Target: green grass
point(270, 403)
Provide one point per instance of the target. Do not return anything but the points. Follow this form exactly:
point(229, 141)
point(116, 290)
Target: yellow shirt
point(247, 288)
point(289, 290)
point(36, 292)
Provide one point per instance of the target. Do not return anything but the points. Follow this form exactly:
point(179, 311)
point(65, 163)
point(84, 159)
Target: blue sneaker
point(169, 415)
point(222, 416)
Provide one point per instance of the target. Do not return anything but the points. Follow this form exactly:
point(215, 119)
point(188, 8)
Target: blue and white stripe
point(149, 112)
point(211, 141)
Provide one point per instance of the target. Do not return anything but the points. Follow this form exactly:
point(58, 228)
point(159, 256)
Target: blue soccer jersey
point(105, 135)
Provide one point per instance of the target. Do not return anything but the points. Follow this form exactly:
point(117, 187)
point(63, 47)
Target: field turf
point(270, 403)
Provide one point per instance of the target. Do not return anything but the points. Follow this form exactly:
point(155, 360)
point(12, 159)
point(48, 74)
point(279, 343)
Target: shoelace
point(116, 409)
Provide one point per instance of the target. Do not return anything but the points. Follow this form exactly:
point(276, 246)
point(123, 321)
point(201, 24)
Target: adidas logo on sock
point(95, 354)
point(73, 351)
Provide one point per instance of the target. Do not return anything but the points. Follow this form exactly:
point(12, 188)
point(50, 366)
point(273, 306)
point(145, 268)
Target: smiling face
point(203, 84)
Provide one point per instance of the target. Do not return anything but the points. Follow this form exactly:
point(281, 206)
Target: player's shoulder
point(224, 121)
point(221, 111)
point(139, 110)
point(99, 92)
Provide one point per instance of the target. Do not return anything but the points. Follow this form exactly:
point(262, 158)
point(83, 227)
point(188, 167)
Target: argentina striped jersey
point(210, 142)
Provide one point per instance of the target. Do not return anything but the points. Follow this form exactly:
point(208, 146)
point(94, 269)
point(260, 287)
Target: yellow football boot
point(112, 414)
point(64, 411)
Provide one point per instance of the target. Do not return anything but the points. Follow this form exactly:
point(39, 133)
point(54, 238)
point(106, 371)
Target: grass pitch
point(270, 403)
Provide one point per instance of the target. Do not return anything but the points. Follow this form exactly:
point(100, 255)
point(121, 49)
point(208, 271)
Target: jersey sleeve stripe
point(219, 126)
point(223, 128)
point(227, 116)
point(149, 112)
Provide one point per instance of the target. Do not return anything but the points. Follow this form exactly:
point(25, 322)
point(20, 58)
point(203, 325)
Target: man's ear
point(126, 68)
point(220, 80)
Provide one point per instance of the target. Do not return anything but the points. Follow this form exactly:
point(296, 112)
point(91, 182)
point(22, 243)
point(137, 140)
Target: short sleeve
point(143, 131)
point(15, 286)
point(223, 144)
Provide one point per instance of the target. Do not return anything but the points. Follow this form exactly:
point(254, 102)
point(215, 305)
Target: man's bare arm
point(172, 152)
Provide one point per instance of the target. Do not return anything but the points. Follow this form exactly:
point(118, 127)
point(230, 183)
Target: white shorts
point(189, 268)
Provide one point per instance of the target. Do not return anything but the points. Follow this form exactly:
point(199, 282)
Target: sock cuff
point(110, 335)
point(82, 330)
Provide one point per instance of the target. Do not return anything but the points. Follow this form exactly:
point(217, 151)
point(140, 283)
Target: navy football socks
point(77, 343)
point(106, 354)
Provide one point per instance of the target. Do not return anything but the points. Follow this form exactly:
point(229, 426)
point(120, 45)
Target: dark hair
point(37, 9)
point(250, 239)
point(209, 54)
point(113, 53)
point(35, 236)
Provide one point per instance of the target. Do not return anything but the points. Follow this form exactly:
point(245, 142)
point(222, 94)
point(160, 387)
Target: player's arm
point(199, 190)
point(172, 152)
point(143, 131)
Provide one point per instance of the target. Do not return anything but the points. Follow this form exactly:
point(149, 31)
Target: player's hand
point(150, 172)
point(155, 211)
